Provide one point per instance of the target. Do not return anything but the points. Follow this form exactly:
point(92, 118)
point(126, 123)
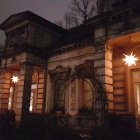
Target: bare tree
point(82, 9)
point(70, 20)
point(79, 12)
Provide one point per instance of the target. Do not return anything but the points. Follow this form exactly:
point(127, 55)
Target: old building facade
point(47, 63)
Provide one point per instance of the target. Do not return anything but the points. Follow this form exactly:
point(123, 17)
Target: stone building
point(41, 65)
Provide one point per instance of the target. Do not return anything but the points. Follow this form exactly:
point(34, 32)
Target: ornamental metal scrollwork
point(59, 76)
point(62, 77)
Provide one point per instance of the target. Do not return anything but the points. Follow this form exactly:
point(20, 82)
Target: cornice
point(69, 47)
point(23, 48)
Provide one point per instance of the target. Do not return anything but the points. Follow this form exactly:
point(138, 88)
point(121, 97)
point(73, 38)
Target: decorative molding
point(73, 45)
point(35, 75)
point(85, 68)
point(60, 72)
point(62, 77)
point(126, 25)
point(100, 43)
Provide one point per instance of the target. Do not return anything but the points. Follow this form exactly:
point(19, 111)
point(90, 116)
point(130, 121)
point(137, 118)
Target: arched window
point(33, 97)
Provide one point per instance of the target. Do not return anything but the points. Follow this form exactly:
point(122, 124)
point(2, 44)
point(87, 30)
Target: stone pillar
point(24, 91)
point(120, 75)
point(41, 91)
point(108, 79)
point(103, 66)
point(76, 95)
point(49, 96)
point(4, 89)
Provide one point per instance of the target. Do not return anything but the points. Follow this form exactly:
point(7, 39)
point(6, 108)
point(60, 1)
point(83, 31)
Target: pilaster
point(4, 88)
point(41, 91)
point(24, 91)
point(103, 66)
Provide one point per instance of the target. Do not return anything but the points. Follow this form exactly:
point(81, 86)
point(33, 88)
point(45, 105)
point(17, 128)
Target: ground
point(40, 129)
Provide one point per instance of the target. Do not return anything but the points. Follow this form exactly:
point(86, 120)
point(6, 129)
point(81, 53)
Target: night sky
point(52, 10)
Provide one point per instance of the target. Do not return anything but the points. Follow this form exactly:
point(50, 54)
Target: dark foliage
point(85, 111)
point(46, 127)
point(117, 128)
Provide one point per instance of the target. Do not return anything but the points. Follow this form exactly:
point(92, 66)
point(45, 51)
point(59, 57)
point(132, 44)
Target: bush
point(86, 111)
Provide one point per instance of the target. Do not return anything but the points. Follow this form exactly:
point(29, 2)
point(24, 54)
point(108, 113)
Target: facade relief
point(65, 81)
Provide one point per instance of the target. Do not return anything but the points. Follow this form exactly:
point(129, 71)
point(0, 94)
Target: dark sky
point(52, 10)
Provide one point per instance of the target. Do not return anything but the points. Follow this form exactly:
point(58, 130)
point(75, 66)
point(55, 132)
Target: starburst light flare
point(15, 79)
point(130, 59)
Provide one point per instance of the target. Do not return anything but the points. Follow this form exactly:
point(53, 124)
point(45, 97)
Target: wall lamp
point(130, 59)
point(15, 79)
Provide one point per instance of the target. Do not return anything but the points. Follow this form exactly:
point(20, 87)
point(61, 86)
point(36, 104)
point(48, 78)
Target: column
point(24, 91)
point(41, 91)
point(120, 75)
point(109, 80)
point(50, 94)
point(103, 66)
point(4, 89)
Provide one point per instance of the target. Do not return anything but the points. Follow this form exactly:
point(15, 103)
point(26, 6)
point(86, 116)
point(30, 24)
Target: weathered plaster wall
point(119, 86)
point(102, 63)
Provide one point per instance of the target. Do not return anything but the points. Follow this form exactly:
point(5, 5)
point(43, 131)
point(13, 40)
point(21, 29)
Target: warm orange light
point(15, 79)
point(130, 59)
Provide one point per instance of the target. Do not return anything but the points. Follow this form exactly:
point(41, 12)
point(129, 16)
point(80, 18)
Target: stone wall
point(41, 36)
point(102, 64)
point(4, 88)
point(119, 85)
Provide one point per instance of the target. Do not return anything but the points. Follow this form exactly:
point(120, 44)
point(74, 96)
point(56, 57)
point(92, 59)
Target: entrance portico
point(126, 77)
point(25, 94)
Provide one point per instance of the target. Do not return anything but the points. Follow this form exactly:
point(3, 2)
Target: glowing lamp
point(15, 79)
point(130, 59)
